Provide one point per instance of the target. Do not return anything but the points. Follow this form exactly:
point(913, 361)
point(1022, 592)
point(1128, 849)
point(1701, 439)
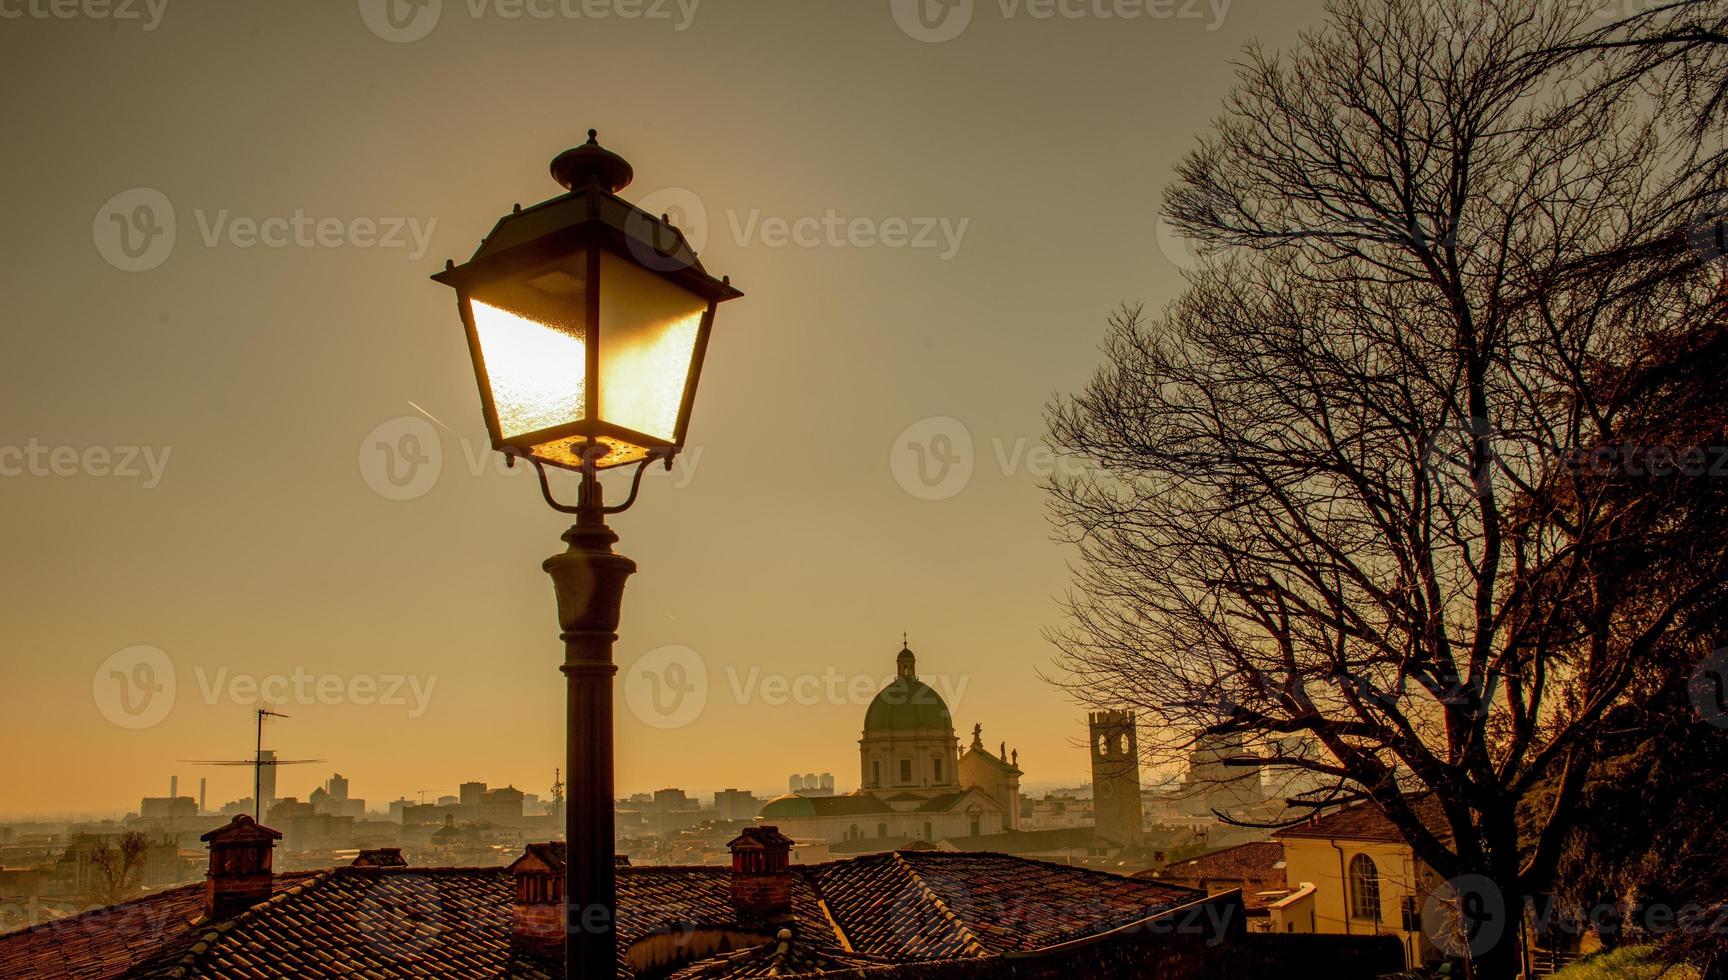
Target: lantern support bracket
point(589, 498)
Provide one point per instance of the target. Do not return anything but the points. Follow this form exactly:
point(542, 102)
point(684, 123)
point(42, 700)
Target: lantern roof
point(590, 214)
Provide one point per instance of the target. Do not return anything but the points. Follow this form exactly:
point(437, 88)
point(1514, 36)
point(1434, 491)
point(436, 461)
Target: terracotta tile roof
point(455, 922)
point(110, 941)
point(367, 922)
point(788, 955)
point(940, 904)
point(1255, 867)
point(1259, 859)
point(1365, 820)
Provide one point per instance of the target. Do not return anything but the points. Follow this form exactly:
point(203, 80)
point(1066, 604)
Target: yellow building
point(1350, 872)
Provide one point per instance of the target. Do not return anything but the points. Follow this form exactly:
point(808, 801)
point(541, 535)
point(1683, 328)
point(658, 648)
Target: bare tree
point(1676, 50)
point(1351, 486)
point(119, 868)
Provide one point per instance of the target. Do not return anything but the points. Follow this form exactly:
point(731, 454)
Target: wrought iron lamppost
point(587, 321)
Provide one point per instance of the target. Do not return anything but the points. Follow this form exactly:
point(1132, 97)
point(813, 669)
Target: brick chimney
point(761, 881)
point(537, 915)
point(240, 866)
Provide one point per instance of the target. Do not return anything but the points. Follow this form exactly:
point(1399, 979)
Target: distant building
point(470, 796)
point(1218, 781)
point(912, 783)
point(996, 776)
point(267, 777)
point(1115, 754)
point(164, 808)
point(736, 804)
point(502, 807)
point(811, 784)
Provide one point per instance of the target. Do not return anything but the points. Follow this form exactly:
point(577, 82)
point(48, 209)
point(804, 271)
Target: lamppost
point(587, 321)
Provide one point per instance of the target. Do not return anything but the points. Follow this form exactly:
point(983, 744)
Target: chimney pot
point(761, 875)
point(240, 866)
point(537, 914)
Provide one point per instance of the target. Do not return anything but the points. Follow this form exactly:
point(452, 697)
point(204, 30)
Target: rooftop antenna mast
point(257, 762)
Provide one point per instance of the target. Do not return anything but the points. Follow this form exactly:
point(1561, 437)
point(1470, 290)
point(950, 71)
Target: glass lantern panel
point(533, 336)
point(648, 329)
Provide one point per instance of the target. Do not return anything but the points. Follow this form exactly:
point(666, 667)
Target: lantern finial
point(573, 168)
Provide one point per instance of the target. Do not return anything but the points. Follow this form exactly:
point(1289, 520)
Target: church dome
point(790, 805)
point(907, 703)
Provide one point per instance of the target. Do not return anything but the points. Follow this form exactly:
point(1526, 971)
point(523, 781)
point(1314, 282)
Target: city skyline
point(814, 559)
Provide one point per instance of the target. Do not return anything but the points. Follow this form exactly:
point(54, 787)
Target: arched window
point(1364, 888)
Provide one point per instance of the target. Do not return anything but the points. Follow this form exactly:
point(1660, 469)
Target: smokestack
point(173, 789)
point(202, 786)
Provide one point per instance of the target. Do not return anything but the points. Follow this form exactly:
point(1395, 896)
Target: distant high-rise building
point(471, 795)
point(167, 808)
point(337, 787)
point(736, 804)
point(502, 807)
point(1115, 775)
point(809, 784)
point(267, 778)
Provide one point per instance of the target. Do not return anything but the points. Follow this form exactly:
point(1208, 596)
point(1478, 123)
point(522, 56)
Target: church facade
point(915, 783)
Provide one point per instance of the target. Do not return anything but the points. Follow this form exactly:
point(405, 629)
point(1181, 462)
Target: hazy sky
point(220, 218)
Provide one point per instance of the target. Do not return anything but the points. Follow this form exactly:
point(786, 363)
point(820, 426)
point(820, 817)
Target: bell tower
point(1115, 775)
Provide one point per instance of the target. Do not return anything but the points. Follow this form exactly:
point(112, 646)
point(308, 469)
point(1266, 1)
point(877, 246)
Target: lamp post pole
point(558, 305)
point(589, 579)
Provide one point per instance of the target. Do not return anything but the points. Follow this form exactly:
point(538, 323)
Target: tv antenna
point(257, 762)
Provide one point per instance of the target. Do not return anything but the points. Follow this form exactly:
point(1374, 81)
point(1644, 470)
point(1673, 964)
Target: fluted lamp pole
point(587, 321)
